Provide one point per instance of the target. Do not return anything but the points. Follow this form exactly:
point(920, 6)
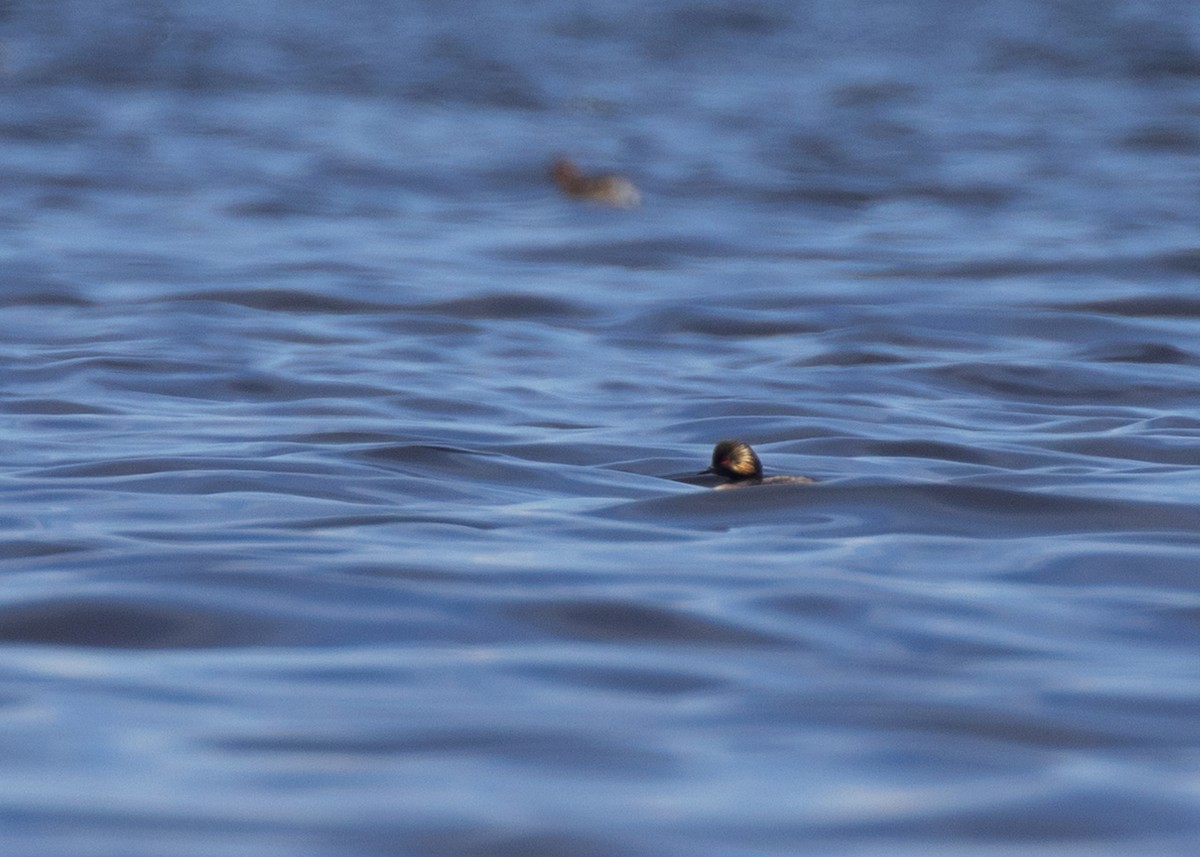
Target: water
point(343, 508)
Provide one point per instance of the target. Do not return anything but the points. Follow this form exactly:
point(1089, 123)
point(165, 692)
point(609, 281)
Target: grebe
point(737, 462)
point(612, 190)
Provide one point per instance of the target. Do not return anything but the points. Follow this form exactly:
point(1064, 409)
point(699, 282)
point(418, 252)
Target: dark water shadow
point(126, 624)
point(928, 508)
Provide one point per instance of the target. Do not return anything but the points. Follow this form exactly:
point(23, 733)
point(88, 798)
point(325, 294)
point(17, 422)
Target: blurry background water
point(340, 498)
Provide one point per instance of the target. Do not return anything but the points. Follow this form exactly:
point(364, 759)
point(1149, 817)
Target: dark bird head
point(564, 172)
point(735, 461)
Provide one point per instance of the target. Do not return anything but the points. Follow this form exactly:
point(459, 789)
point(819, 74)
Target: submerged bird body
point(738, 463)
point(608, 189)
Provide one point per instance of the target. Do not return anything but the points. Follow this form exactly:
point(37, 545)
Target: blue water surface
point(346, 498)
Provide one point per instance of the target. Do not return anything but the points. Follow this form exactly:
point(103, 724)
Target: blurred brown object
point(611, 190)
